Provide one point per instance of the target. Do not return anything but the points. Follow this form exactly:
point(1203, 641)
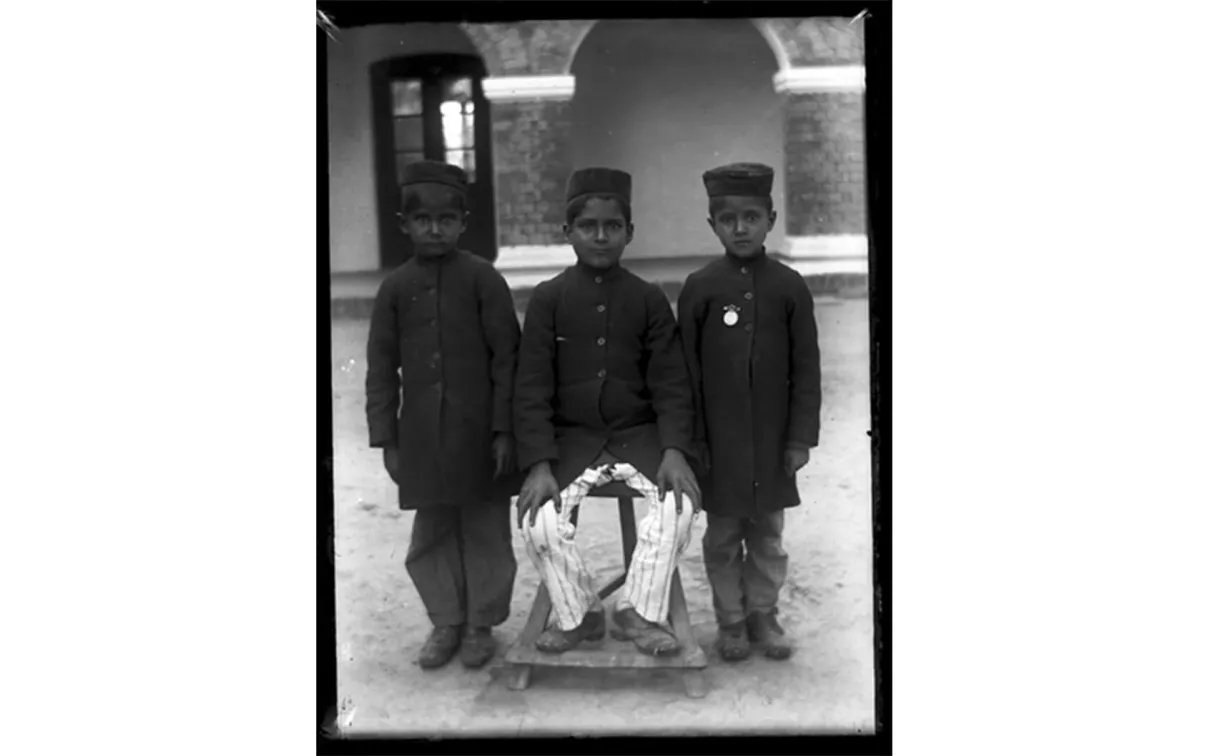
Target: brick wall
point(531, 145)
point(820, 41)
point(527, 48)
point(825, 164)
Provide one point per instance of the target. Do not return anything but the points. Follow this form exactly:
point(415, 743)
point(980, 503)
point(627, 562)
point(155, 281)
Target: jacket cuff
point(527, 458)
point(688, 449)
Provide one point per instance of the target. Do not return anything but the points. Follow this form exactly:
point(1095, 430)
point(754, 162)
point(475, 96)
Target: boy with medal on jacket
point(748, 327)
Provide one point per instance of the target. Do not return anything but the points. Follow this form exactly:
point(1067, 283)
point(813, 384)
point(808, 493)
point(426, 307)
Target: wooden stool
point(524, 655)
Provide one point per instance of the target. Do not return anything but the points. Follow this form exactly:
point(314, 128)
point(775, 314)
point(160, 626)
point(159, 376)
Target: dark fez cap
point(739, 180)
point(433, 172)
point(599, 181)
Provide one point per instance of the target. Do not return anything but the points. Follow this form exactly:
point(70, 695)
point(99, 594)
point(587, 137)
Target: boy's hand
point(675, 475)
point(502, 452)
point(390, 460)
point(795, 460)
point(539, 487)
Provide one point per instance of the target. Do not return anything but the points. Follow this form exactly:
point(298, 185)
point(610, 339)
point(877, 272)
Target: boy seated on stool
point(749, 333)
point(444, 330)
point(603, 394)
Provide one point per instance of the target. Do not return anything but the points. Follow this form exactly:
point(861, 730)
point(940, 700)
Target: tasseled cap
point(599, 181)
point(739, 180)
point(434, 172)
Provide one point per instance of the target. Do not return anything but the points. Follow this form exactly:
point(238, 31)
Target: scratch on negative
point(325, 23)
point(859, 16)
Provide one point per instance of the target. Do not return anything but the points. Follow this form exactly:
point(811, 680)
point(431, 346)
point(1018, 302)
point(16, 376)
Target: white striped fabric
point(662, 538)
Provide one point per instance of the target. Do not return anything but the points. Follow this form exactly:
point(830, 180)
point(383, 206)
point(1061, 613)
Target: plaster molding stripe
point(827, 247)
point(820, 79)
point(517, 88)
point(528, 279)
point(535, 256)
point(829, 267)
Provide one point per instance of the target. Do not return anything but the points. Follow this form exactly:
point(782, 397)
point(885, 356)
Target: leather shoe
point(733, 643)
point(767, 634)
point(556, 641)
point(443, 642)
point(478, 647)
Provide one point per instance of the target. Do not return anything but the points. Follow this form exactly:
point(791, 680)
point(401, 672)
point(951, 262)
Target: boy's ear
point(772, 219)
point(567, 231)
point(629, 232)
point(710, 222)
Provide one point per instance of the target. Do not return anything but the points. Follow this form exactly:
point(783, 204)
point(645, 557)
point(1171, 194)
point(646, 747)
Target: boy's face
point(434, 219)
point(600, 233)
point(742, 223)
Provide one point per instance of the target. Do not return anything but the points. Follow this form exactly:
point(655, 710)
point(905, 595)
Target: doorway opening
point(431, 107)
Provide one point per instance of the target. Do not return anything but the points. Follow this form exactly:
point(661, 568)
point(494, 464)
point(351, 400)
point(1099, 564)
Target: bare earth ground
point(827, 602)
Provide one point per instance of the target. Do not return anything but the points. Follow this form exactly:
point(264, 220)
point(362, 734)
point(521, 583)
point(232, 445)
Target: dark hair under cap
point(608, 181)
point(739, 180)
point(434, 172)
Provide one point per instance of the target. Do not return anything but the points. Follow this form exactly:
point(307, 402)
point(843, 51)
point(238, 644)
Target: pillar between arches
point(531, 148)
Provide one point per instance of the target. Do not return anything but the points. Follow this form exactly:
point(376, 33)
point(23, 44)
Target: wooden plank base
point(518, 678)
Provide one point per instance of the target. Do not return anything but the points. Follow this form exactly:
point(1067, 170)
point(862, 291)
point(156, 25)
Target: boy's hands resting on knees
point(503, 453)
point(675, 475)
point(796, 459)
point(539, 486)
point(390, 460)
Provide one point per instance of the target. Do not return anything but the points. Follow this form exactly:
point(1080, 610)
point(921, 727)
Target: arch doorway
point(665, 101)
point(431, 107)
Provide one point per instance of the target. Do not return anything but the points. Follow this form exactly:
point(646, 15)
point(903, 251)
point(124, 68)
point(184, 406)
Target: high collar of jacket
point(591, 273)
point(439, 260)
point(757, 259)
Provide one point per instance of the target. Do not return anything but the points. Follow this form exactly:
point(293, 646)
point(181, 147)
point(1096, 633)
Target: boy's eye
point(613, 225)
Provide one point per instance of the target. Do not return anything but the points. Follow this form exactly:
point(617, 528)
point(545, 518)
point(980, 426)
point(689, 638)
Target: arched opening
point(666, 100)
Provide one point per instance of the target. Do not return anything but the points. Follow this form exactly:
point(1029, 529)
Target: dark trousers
point(461, 561)
point(745, 563)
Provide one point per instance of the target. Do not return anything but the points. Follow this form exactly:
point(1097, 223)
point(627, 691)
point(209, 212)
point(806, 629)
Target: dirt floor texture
point(826, 604)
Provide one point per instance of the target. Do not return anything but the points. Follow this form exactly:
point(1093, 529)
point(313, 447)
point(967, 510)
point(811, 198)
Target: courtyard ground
point(827, 602)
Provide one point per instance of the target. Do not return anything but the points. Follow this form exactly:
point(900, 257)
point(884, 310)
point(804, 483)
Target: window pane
point(402, 159)
point(468, 129)
point(409, 133)
point(451, 125)
point(464, 159)
point(457, 126)
point(405, 95)
point(458, 90)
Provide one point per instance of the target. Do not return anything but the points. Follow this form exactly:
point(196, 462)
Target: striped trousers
point(661, 537)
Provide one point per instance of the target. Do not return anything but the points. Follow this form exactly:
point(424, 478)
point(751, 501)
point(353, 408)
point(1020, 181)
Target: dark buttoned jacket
point(600, 368)
point(443, 333)
point(756, 378)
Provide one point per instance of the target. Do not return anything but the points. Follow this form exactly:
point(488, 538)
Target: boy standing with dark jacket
point(748, 326)
point(444, 334)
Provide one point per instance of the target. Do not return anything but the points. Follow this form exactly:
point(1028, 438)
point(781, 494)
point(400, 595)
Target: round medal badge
point(730, 318)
